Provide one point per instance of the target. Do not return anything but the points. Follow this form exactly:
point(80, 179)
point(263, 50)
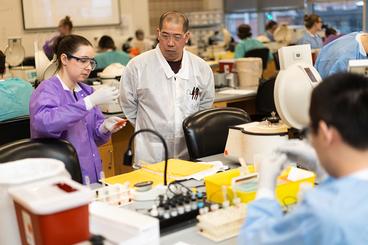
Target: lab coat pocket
point(192, 102)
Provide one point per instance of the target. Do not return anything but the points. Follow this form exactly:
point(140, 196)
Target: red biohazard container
point(52, 212)
point(230, 63)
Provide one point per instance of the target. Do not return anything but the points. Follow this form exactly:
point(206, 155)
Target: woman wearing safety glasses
point(65, 108)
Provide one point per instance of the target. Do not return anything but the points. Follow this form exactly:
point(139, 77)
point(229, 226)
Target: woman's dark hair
point(69, 45)
point(270, 24)
point(341, 101)
point(106, 42)
point(2, 62)
point(244, 31)
point(66, 22)
point(310, 20)
point(330, 31)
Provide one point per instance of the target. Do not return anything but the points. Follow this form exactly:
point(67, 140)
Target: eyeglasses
point(167, 36)
point(85, 61)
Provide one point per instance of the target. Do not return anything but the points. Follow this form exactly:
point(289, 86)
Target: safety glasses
point(85, 61)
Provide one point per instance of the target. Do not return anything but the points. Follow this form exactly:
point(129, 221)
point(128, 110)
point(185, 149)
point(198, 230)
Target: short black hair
point(2, 62)
point(106, 42)
point(244, 31)
point(341, 101)
point(174, 16)
point(270, 24)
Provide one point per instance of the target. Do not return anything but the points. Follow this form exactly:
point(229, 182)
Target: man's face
point(323, 150)
point(172, 40)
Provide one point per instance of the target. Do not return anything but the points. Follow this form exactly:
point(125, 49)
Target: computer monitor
point(358, 66)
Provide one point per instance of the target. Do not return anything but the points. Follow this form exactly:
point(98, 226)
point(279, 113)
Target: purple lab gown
point(55, 113)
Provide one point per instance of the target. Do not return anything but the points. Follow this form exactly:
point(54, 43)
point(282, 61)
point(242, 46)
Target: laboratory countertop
point(228, 94)
point(190, 236)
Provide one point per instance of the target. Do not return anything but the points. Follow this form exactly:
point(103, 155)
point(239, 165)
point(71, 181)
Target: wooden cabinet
point(113, 151)
point(107, 157)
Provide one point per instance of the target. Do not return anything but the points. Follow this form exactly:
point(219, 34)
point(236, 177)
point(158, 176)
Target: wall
point(158, 7)
point(134, 15)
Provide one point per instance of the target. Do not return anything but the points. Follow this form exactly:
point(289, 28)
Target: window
point(235, 19)
point(344, 16)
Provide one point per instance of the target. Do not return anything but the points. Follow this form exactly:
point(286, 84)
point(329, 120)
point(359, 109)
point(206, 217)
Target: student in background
point(127, 45)
point(65, 28)
point(247, 42)
point(331, 35)
point(140, 43)
point(108, 53)
point(63, 107)
point(313, 24)
point(15, 94)
point(270, 28)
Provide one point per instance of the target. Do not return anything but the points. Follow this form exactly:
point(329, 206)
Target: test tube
point(87, 181)
point(102, 178)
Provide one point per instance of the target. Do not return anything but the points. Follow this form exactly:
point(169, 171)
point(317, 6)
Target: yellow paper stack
point(177, 169)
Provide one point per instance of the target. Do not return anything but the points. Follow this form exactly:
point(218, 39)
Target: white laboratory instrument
point(295, 54)
point(123, 226)
point(358, 66)
point(253, 139)
point(294, 84)
point(292, 91)
point(15, 53)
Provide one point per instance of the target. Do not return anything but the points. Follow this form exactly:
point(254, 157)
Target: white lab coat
point(154, 97)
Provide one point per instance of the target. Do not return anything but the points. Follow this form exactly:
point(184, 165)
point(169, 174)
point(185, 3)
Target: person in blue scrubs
point(313, 24)
point(336, 211)
point(247, 42)
point(270, 28)
point(335, 56)
point(15, 94)
point(109, 54)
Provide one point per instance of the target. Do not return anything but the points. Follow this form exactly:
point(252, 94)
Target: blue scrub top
point(15, 94)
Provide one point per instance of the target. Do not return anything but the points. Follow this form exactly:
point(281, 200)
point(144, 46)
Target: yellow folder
point(177, 169)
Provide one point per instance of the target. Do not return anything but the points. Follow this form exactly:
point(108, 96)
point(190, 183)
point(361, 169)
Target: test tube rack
point(116, 194)
point(221, 224)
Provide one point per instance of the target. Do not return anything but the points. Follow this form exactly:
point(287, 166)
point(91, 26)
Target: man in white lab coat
point(163, 86)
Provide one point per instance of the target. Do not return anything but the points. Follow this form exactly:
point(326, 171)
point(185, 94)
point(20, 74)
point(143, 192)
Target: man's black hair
point(341, 101)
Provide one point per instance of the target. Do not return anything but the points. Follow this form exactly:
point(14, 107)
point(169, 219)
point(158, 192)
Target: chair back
point(206, 131)
point(262, 53)
point(44, 148)
point(265, 103)
point(14, 129)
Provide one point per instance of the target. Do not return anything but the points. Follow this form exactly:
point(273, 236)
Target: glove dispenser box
point(52, 212)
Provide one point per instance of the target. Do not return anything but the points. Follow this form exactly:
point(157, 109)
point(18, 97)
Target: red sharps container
point(54, 212)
